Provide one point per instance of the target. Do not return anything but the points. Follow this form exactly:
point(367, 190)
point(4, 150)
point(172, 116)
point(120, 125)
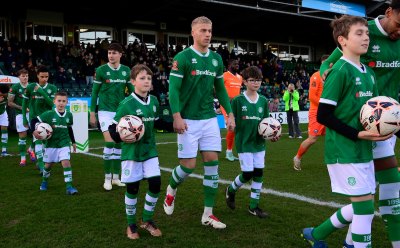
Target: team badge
point(214, 62)
point(154, 109)
point(49, 91)
point(180, 147)
point(127, 172)
point(351, 181)
point(165, 112)
point(260, 110)
point(67, 120)
point(124, 73)
point(175, 65)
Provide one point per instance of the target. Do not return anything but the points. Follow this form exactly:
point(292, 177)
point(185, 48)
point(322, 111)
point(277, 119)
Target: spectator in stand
point(61, 76)
point(88, 70)
point(274, 105)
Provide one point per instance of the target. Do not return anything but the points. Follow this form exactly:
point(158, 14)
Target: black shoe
point(258, 212)
point(230, 198)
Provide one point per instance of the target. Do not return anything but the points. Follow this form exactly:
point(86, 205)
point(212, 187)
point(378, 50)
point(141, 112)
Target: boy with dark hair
point(108, 91)
point(38, 99)
point(384, 51)
point(249, 109)
point(348, 148)
point(140, 159)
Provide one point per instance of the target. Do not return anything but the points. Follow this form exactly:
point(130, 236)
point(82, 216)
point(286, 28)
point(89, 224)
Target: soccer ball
point(381, 115)
point(45, 131)
point(130, 128)
point(269, 128)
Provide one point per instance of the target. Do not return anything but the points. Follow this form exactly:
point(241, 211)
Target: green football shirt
point(145, 148)
point(111, 87)
point(248, 115)
point(17, 90)
point(348, 87)
point(193, 78)
point(383, 57)
point(37, 102)
point(60, 124)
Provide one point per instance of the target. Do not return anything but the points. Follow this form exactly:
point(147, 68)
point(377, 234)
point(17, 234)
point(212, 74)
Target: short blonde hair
point(201, 20)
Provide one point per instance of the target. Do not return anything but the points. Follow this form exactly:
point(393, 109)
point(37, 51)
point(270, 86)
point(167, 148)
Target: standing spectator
point(291, 98)
point(196, 73)
point(88, 69)
point(315, 129)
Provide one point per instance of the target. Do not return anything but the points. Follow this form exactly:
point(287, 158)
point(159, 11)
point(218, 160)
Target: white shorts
point(384, 149)
point(201, 134)
point(4, 119)
point(105, 119)
point(132, 171)
point(249, 161)
point(355, 179)
point(19, 123)
point(55, 155)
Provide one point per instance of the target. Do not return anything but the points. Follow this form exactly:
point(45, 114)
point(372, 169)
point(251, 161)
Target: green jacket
point(296, 97)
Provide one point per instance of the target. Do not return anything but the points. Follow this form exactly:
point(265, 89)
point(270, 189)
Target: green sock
point(256, 186)
point(4, 140)
point(39, 153)
point(46, 174)
point(22, 148)
point(107, 153)
point(68, 176)
point(210, 182)
point(130, 208)
point(149, 206)
point(178, 175)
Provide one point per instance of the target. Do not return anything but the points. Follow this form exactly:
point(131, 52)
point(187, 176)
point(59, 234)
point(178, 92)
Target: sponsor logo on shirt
point(376, 49)
point(381, 64)
point(206, 73)
point(251, 118)
point(115, 80)
point(364, 94)
point(148, 119)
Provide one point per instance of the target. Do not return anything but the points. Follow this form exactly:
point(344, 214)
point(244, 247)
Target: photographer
point(291, 98)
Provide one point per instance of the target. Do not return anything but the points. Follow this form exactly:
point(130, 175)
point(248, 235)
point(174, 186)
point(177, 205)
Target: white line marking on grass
point(263, 190)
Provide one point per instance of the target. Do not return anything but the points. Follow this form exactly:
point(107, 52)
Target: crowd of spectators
point(72, 66)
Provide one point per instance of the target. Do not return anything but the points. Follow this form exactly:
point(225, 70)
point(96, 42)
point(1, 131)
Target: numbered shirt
point(198, 73)
point(248, 115)
point(113, 84)
point(17, 90)
point(145, 148)
point(60, 124)
point(348, 87)
point(37, 103)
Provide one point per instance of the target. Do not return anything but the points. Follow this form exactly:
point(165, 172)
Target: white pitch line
point(263, 190)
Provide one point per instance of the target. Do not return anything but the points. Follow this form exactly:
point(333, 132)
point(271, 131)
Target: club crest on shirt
point(154, 109)
point(124, 73)
point(260, 110)
point(214, 62)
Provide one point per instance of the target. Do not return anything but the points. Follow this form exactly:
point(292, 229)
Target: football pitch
point(96, 218)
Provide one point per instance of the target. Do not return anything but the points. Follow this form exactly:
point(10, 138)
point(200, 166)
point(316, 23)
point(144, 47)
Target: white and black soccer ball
point(381, 115)
point(269, 128)
point(44, 130)
point(130, 128)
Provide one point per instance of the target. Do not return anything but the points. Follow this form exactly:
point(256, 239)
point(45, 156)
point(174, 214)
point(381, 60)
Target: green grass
point(95, 218)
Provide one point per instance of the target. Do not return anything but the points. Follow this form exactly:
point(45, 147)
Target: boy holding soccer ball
point(57, 147)
point(348, 148)
point(140, 157)
point(249, 109)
